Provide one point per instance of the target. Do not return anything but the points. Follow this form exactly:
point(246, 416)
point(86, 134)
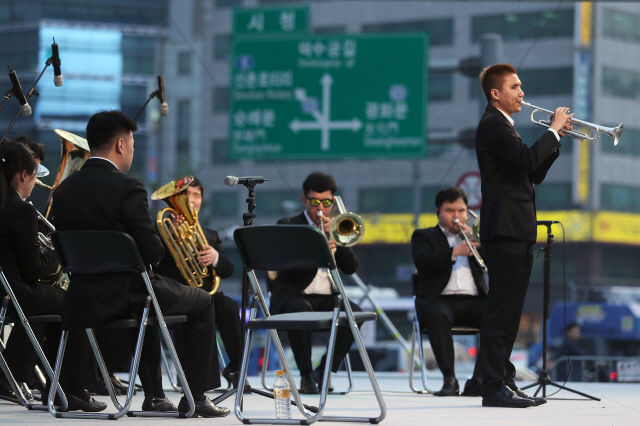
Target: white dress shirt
point(320, 284)
point(461, 280)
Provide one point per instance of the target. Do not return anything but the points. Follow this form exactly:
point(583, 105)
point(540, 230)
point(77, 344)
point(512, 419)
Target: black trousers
point(301, 340)
point(20, 354)
point(439, 315)
point(198, 355)
point(509, 262)
point(229, 326)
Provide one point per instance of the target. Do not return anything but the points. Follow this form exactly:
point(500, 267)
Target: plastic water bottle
point(282, 393)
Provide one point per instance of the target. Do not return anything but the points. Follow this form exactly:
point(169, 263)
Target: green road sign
point(271, 21)
point(330, 96)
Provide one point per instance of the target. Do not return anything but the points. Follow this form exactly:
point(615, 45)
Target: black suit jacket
point(168, 267)
point(289, 283)
point(432, 256)
point(509, 170)
point(100, 197)
point(21, 260)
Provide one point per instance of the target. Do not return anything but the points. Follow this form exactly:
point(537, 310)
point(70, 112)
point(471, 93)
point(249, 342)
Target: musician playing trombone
point(308, 290)
point(450, 289)
point(509, 169)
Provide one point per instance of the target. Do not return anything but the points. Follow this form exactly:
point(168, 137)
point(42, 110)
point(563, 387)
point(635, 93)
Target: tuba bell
point(74, 152)
point(347, 229)
point(180, 230)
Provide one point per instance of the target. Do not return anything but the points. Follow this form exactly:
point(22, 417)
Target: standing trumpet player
point(451, 289)
point(509, 169)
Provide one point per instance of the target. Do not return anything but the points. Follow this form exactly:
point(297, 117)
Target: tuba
point(74, 152)
point(347, 229)
point(180, 230)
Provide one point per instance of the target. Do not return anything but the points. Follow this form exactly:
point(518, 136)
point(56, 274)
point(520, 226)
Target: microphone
point(546, 222)
point(232, 180)
point(18, 93)
point(164, 108)
point(55, 60)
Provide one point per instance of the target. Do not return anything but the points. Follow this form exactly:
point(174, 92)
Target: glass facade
point(620, 198)
point(630, 147)
point(620, 83)
point(525, 26)
point(440, 30)
point(622, 26)
point(386, 200)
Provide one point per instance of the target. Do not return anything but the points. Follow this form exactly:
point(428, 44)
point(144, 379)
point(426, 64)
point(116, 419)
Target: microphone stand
point(544, 379)
point(32, 91)
point(151, 96)
point(247, 218)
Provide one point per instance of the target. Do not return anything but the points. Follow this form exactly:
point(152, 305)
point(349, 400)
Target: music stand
point(247, 219)
point(544, 379)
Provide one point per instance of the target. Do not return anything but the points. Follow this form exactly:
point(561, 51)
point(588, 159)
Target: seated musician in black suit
point(307, 290)
point(24, 265)
point(100, 196)
point(451, 289)
point(213, 256)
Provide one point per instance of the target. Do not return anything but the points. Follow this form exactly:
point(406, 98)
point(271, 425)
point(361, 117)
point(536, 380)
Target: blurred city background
point(384, 96)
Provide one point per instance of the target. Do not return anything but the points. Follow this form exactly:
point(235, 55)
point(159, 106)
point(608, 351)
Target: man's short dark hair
point(319, 182)
point(451, 195)
point(492, 77)
point(37, 148)
point(196, 183)
point(105, 126)
point(572, 325)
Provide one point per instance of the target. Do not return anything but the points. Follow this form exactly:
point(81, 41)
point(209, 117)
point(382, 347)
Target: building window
point(221, 47)
point(222, 4)
point(279, 203)
point(220, 151)
point(184, 63)
point(524, 26)
point(620, 198)
point(440, 87)
point(621, 25)
point(138, 54)
point(554, 196)
point(440, 30)
point(223, 204)
point(620, 83)
point(184, 126)
point(333, 29)
point(630, 147)
point(220, 100)
point(386, 200)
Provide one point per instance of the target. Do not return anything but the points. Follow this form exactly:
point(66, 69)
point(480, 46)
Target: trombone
point(613, 132)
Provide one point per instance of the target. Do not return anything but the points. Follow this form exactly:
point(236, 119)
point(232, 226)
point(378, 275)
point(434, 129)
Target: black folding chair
point(416, 337)
point(99, 252)
point(25, 321)
point(288, 247)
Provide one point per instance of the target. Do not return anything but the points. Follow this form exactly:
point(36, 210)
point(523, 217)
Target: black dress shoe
point(158, 404)
point(204, 408)
point(505, 397)
point(537, 400)
point(317, 374)
point(449, 388)
point(308, 384)
point(91, 406)
point(473, 387)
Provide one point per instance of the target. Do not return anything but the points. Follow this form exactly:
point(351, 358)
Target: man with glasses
point(309, 290)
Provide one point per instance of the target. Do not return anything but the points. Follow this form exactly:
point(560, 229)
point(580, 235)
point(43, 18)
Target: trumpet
point(473, 248)
point(613, 132)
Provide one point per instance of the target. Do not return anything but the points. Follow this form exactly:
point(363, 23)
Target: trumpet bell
point(347, 229)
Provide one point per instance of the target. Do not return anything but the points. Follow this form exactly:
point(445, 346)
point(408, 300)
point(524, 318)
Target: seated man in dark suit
point(307, 290)
point(100, 196)
point(215, 258)
point(451, 289)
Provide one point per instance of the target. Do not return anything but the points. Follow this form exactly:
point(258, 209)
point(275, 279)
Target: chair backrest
point(283, 247)
point(96, 252)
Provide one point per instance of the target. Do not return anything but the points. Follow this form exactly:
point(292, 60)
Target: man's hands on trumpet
point(463, 249)
point(561, 120)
